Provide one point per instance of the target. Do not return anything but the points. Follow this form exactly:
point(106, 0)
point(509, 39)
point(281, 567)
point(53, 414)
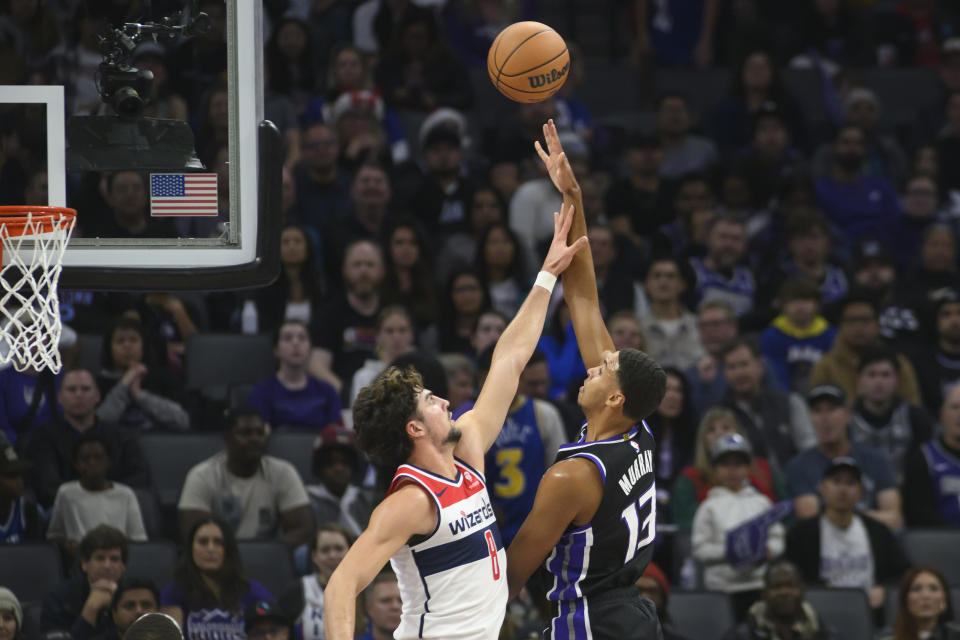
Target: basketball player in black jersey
point(593, 519)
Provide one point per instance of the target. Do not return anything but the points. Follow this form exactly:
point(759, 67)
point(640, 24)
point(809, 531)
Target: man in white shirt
point(257, 494)
point(844, 548)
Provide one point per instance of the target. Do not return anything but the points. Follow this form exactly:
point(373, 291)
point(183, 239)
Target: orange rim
point(43, 219)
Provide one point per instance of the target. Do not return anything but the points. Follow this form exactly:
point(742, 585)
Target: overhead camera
point(128, 140)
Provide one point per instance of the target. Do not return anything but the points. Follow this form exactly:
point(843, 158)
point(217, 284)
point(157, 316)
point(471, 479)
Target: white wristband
point(546, 280)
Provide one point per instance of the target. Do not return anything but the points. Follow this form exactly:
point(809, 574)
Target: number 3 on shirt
point(631, 516)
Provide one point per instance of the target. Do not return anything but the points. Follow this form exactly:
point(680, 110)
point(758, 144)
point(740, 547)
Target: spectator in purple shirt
point(857, 205)
point(293, 398)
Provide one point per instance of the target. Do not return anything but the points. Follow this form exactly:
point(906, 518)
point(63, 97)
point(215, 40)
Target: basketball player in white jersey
point(593, 520)
point(436, 525)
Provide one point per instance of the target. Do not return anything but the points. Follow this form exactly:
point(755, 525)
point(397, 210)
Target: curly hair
point(380, 415)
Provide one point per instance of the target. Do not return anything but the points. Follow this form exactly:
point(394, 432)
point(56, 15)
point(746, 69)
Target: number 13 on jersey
point(632, 517)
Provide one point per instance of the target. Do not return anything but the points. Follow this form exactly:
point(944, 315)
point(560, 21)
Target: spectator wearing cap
point(858, 205)
point(535, 201)
point(844, 547)
point(931, 483)
point(798, 337)
point(260, 497)
point(336, 499)
point(81, 604)
point(858, 327)
point(303, 599)
point(776, 422)
point(383, 606)
point(11, 616)
point(442, 199)
point(683, 151)
point(673, 338)
point(50, 445)
point(653, 585)
point(264, 620)
point(322, 185)
point(638, 203)
point(808, 245)
point(883, 156)
point(292, 398)
point(875, 276)
point(878, 495)
point(732, 502)
point(880, 418)
point(782, 612)
point(695, 481)
point(19, 518)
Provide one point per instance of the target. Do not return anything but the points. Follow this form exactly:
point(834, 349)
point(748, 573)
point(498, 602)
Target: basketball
point(528, 62)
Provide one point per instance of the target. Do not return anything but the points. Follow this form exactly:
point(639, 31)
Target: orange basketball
point(528, 62)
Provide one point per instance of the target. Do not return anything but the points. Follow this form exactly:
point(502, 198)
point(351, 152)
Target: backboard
point(148, 119)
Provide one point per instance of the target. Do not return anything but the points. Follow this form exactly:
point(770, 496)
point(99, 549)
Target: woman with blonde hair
point(924, 611)
point(695, 481)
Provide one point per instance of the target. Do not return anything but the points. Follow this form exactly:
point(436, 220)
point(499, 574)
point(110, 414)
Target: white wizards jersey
point(453, 582)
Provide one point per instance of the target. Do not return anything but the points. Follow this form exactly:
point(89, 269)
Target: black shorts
point(620, 614)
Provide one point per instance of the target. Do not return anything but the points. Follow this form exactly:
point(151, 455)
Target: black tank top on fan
point(611, 551)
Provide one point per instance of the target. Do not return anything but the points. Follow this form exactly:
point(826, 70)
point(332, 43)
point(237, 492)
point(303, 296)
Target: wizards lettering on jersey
point(472, 519)
point(640, 467)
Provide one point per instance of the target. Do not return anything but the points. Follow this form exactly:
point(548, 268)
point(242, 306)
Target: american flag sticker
point(183, 194)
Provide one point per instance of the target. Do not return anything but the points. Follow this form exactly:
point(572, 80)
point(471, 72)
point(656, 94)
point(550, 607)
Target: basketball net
point(32, 242)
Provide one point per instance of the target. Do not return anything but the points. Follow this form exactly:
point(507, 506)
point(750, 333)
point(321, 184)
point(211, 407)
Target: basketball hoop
point(32, 241)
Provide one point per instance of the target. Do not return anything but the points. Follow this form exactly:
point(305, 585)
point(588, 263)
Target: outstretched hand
point(556, 160)
point(560, 253)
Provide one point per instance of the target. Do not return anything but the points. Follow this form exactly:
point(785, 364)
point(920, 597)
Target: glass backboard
point(147, 118)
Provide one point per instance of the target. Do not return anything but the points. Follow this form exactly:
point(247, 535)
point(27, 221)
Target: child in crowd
point(93, 500)
point(732, 502)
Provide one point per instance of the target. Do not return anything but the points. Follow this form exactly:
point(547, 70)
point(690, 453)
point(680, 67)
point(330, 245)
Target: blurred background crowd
point(773, 197)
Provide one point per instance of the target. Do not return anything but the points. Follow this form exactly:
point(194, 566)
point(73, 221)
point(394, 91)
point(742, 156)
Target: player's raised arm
point(406, 512)
point(579, 280)
point(516, 345)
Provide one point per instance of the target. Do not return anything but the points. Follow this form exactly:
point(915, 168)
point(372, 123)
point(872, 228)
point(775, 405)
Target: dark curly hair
point(643, 383)
point(380, 415)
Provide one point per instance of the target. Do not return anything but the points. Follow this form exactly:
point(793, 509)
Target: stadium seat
point(216, 361)
point(30, 570)
point(31, 620)
point(705, 615)
point(846, 610)
point(171, 455)
point(269, 563)
point(150, 510)
point(238, 395)
point(297, 449)
point(155, 560)
point(89, 358)
point(936, 548)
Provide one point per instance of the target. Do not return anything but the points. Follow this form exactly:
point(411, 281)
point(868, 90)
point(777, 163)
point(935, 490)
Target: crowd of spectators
point(797, 278)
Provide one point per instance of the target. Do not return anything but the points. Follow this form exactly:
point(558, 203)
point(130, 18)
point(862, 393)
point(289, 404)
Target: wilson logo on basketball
point(542, 79)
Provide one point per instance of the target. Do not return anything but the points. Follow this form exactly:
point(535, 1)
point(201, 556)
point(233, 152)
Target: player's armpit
point(569, 493)
point(406, 512)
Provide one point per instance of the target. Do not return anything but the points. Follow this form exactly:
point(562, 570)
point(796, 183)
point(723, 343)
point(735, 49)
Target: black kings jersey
point(611, 551)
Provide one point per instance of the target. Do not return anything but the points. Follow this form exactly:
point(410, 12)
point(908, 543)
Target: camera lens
point(127, 102)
